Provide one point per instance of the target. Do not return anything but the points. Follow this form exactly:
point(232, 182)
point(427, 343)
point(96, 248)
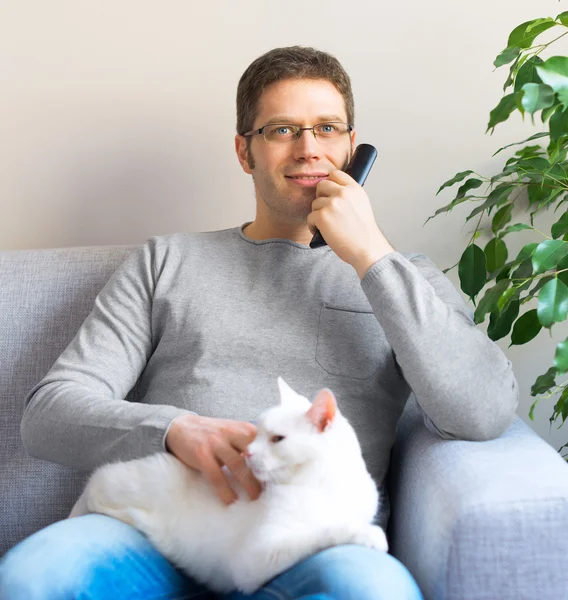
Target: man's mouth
point(307, 180)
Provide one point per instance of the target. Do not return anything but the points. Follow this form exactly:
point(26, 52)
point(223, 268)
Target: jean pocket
point(351, 343)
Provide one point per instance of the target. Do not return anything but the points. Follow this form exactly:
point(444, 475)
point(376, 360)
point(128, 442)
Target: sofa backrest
point(45, 295)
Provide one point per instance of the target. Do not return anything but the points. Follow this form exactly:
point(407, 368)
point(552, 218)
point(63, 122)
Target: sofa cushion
point(45, 296)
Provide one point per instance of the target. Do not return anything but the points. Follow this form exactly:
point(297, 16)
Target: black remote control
point(358, 167)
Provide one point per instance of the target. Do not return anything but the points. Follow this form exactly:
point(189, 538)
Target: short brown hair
point(293, 62)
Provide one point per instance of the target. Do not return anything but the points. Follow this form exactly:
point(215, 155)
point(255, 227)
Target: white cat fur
point(317, 494)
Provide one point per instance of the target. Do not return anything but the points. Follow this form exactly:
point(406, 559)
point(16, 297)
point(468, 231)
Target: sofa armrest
point(479, 520)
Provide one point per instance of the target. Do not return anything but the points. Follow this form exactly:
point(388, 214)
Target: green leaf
point(537, 193)
point(489, 301)
point(536, 97)
point(526, 328)
point(558, 125)
point(533, 167)
point(529, 152)
point(548, 199)
point(500, 193)
point(531, 411)
point(519, 104)
point(514, 229)
point(524, 35)
point(498, 196)
point(513, 68)
point(560, 228)
point(541, 283)
point(500, 323)
point(448, 207)
point(536, 136)
point(470, 184)
point(503, 110)
point(526, 251)
point(496, 253)
point(459, 177)
point(503, 302)
point(504, 273)
point(547, 112)
point(527, 73)
point(544, 382)
point(510, 169)
point(548, 254)
point(524, 271)
point(508, 55)
point(563, 18)
point(560, 410)
point(472, 272)
point(564, 403)
point(561, 357)
point(552, 303)
point(561, 266)
point(554, 72)
point(501, 218)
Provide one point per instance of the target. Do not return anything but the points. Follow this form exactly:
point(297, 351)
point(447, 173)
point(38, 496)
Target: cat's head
point(298, 434)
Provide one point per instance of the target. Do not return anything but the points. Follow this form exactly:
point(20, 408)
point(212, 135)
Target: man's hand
point(206, 444)
point(344, 215)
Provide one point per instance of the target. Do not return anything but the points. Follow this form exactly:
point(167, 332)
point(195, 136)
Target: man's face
point(304, 102)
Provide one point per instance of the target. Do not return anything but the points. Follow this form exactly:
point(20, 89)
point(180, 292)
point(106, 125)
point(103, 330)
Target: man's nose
point(306, 146)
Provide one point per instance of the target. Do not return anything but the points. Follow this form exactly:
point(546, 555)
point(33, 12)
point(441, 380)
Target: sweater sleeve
point(462, 381)
point(77, 415)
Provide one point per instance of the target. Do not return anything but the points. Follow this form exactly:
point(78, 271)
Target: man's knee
point(360, 573)
point(57, 562)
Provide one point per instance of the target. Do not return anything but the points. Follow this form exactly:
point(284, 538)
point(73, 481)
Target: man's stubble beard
point(276, 203)
point(296, 211)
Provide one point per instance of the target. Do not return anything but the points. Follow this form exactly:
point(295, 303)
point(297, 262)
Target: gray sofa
point(483, 521)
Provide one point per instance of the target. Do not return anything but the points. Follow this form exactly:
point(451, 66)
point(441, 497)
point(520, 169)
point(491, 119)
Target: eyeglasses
point(284, 132)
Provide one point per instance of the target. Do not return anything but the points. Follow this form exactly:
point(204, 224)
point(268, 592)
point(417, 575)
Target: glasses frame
point(312, 129)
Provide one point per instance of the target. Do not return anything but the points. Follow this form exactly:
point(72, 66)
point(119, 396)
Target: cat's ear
point(323, 410)
point(289, 397)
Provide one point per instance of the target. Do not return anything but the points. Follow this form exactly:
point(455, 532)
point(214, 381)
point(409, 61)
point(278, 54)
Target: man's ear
point(242, 154)
point(323, 410)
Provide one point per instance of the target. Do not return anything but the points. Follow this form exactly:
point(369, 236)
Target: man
point(205, 323)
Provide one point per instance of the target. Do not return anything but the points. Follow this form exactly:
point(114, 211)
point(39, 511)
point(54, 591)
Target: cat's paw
point(371, 536)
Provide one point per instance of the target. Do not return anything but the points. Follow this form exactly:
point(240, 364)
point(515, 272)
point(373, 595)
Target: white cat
point(317, 494)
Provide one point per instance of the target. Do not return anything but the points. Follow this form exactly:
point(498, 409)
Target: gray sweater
point(206, 322)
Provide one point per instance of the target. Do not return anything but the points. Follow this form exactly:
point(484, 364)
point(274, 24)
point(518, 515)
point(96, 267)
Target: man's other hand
point(206, 444)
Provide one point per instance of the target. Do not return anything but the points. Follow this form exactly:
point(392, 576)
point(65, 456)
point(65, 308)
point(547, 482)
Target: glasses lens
point(289, 133)
point(330, 130)
point(280, 133)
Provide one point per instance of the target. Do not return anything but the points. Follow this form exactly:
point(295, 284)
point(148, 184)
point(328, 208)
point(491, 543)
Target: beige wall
point(117, 118)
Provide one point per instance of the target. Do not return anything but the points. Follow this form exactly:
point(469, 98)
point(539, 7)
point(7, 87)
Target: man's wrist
point(369, 259)
point(175, 429)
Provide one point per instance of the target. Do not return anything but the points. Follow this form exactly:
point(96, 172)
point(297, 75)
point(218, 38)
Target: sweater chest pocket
point(350, 343)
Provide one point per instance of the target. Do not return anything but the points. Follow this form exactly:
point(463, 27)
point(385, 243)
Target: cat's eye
point(276, 438)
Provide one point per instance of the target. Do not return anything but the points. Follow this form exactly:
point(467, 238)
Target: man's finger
point(327, 188)
point(236, 463)
point(240, 437)
point(214, 475)
point(320, 202)
point(340, 177)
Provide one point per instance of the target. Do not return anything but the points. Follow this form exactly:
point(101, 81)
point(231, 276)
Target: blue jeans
point(95, 557)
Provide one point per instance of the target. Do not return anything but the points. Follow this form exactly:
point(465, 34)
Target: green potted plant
point(525, 293)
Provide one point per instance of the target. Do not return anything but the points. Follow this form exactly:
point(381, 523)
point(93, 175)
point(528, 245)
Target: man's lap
point(95, 557)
